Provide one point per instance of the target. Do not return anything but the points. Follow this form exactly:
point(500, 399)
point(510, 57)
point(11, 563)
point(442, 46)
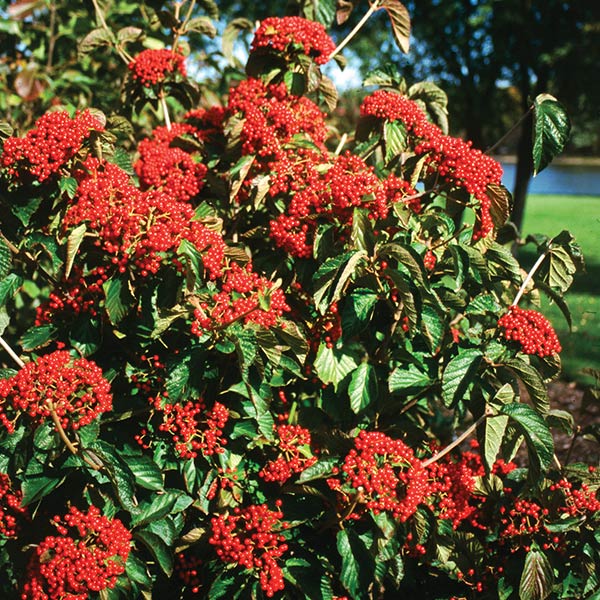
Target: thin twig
point(530, 275)
point(344, 42)
point(515, 126)
point(11, 352)
point(165, 109)
point(457, 441)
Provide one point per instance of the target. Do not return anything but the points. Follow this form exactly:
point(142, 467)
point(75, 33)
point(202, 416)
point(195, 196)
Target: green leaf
point(363, 388)
point(556, 297)
point(494, 434)
point(320, 470)
point(201, 25)
point(68, 185)
point(230, 34)
point(146, 472)
point(325, 11)
point(357, 563)
point(533, 382)
point(561, 263)
point(434, 100)
point(5, 259)
point(408, 380)
point(357, 311)
point(94, 39)
point(160, 506)
point(408, 258)
point(37, 336)
point(551, 129)
point(125, 35)
point(537, 436)
point(458, 374)
point(36, 486)
point(9, 286)
point(332, 277)
point(118, 299)
point(137, 571)
point(157, 547)
point(537, 578)
point(400, 20)
point(363, 236)
point(395, 138)
point(334, 364)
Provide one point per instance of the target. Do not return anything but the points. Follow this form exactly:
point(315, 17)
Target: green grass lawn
point(581, 216)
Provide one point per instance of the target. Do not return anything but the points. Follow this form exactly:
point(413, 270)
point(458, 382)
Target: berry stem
point(374, 6)
point(457, 441)
point(530, 275)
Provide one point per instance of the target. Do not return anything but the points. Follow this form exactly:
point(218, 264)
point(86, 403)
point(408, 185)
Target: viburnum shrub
point(248, 355)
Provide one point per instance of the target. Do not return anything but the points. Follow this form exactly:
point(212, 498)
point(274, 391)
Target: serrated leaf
point(118, 299)
point(558, 268)
point(37, 336)
point(159, 550)
point(332, 277)
point(494, 434)
point(537, 436)
point(325, 11)
point(356, 563)
point(125, 35)
point(137, 571)
point(408, 258)
point(408, 380)
point(328, 92)
point(202, 25)
point(533, 382)
point(94, 39)
point(400, 20)
point(358, 310)
point(5, 259)
point(395, 138)
point(537, 578)
point(68, 185)
point(459, 374)
point(146, 472)
point(230, 34)
point(551, 129)
point(434, 101)
point(9, 286)
point(321, 469)
point(158, 507)
point(73, 243)
point(332, 365)
point(501, 203)
point(363, 388)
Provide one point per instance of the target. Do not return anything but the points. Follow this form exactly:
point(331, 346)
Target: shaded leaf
point(501, 203)
point(400, 20)
point(551, 129)
point(533, 382)
point(202, 25)
point(230, 34)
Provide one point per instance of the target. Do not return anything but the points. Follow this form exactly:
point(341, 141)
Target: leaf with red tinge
point(28, 86)
point(537, 578)
point(400, 19)
point(344, 8)
point(500, 204)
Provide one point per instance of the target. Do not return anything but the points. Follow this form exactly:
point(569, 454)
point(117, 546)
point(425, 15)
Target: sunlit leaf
point(551, 129)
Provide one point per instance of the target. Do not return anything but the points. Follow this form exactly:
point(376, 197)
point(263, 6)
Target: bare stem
point(457, 441)
point(124, 56)
point(11, 352)
point(374, 6)
point(341, 144)
point(515, 126)
point(165, 109)
point(530, 275)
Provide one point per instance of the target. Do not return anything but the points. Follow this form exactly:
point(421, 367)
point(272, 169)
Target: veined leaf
point(158, 548)
point(363, 387)
point(500, 204)
point(537, 578)
point(537, 436)
point(551, 129)
point(5, 259)
point(533, 382)
point(400, 19)
point(395, 138)
point(458, 374)
point(73, 242)
point(356, 563)
point(230, 34)
point(408, 380)
point(494, 434)
point(334, 364)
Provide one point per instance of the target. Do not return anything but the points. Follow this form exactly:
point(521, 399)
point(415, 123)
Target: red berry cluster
point(87, 556)
point(272, 116)
point(150, 66)
point(76, 295)
point(531, 330)
point(578, 500)
point(10, 508)
point(245, 296)
point(382, 474)
point(55, 139)
point(327, 328)
point(207, 122)
point(251, 538)
point(141, 229)
point(450, 158)
point(452, 481)
point(194, 429)
point(168, 168)
point(290, 34)
point(293, 442)
point(73, 387)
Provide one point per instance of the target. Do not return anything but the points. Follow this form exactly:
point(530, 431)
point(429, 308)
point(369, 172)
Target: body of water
point(559, 179)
